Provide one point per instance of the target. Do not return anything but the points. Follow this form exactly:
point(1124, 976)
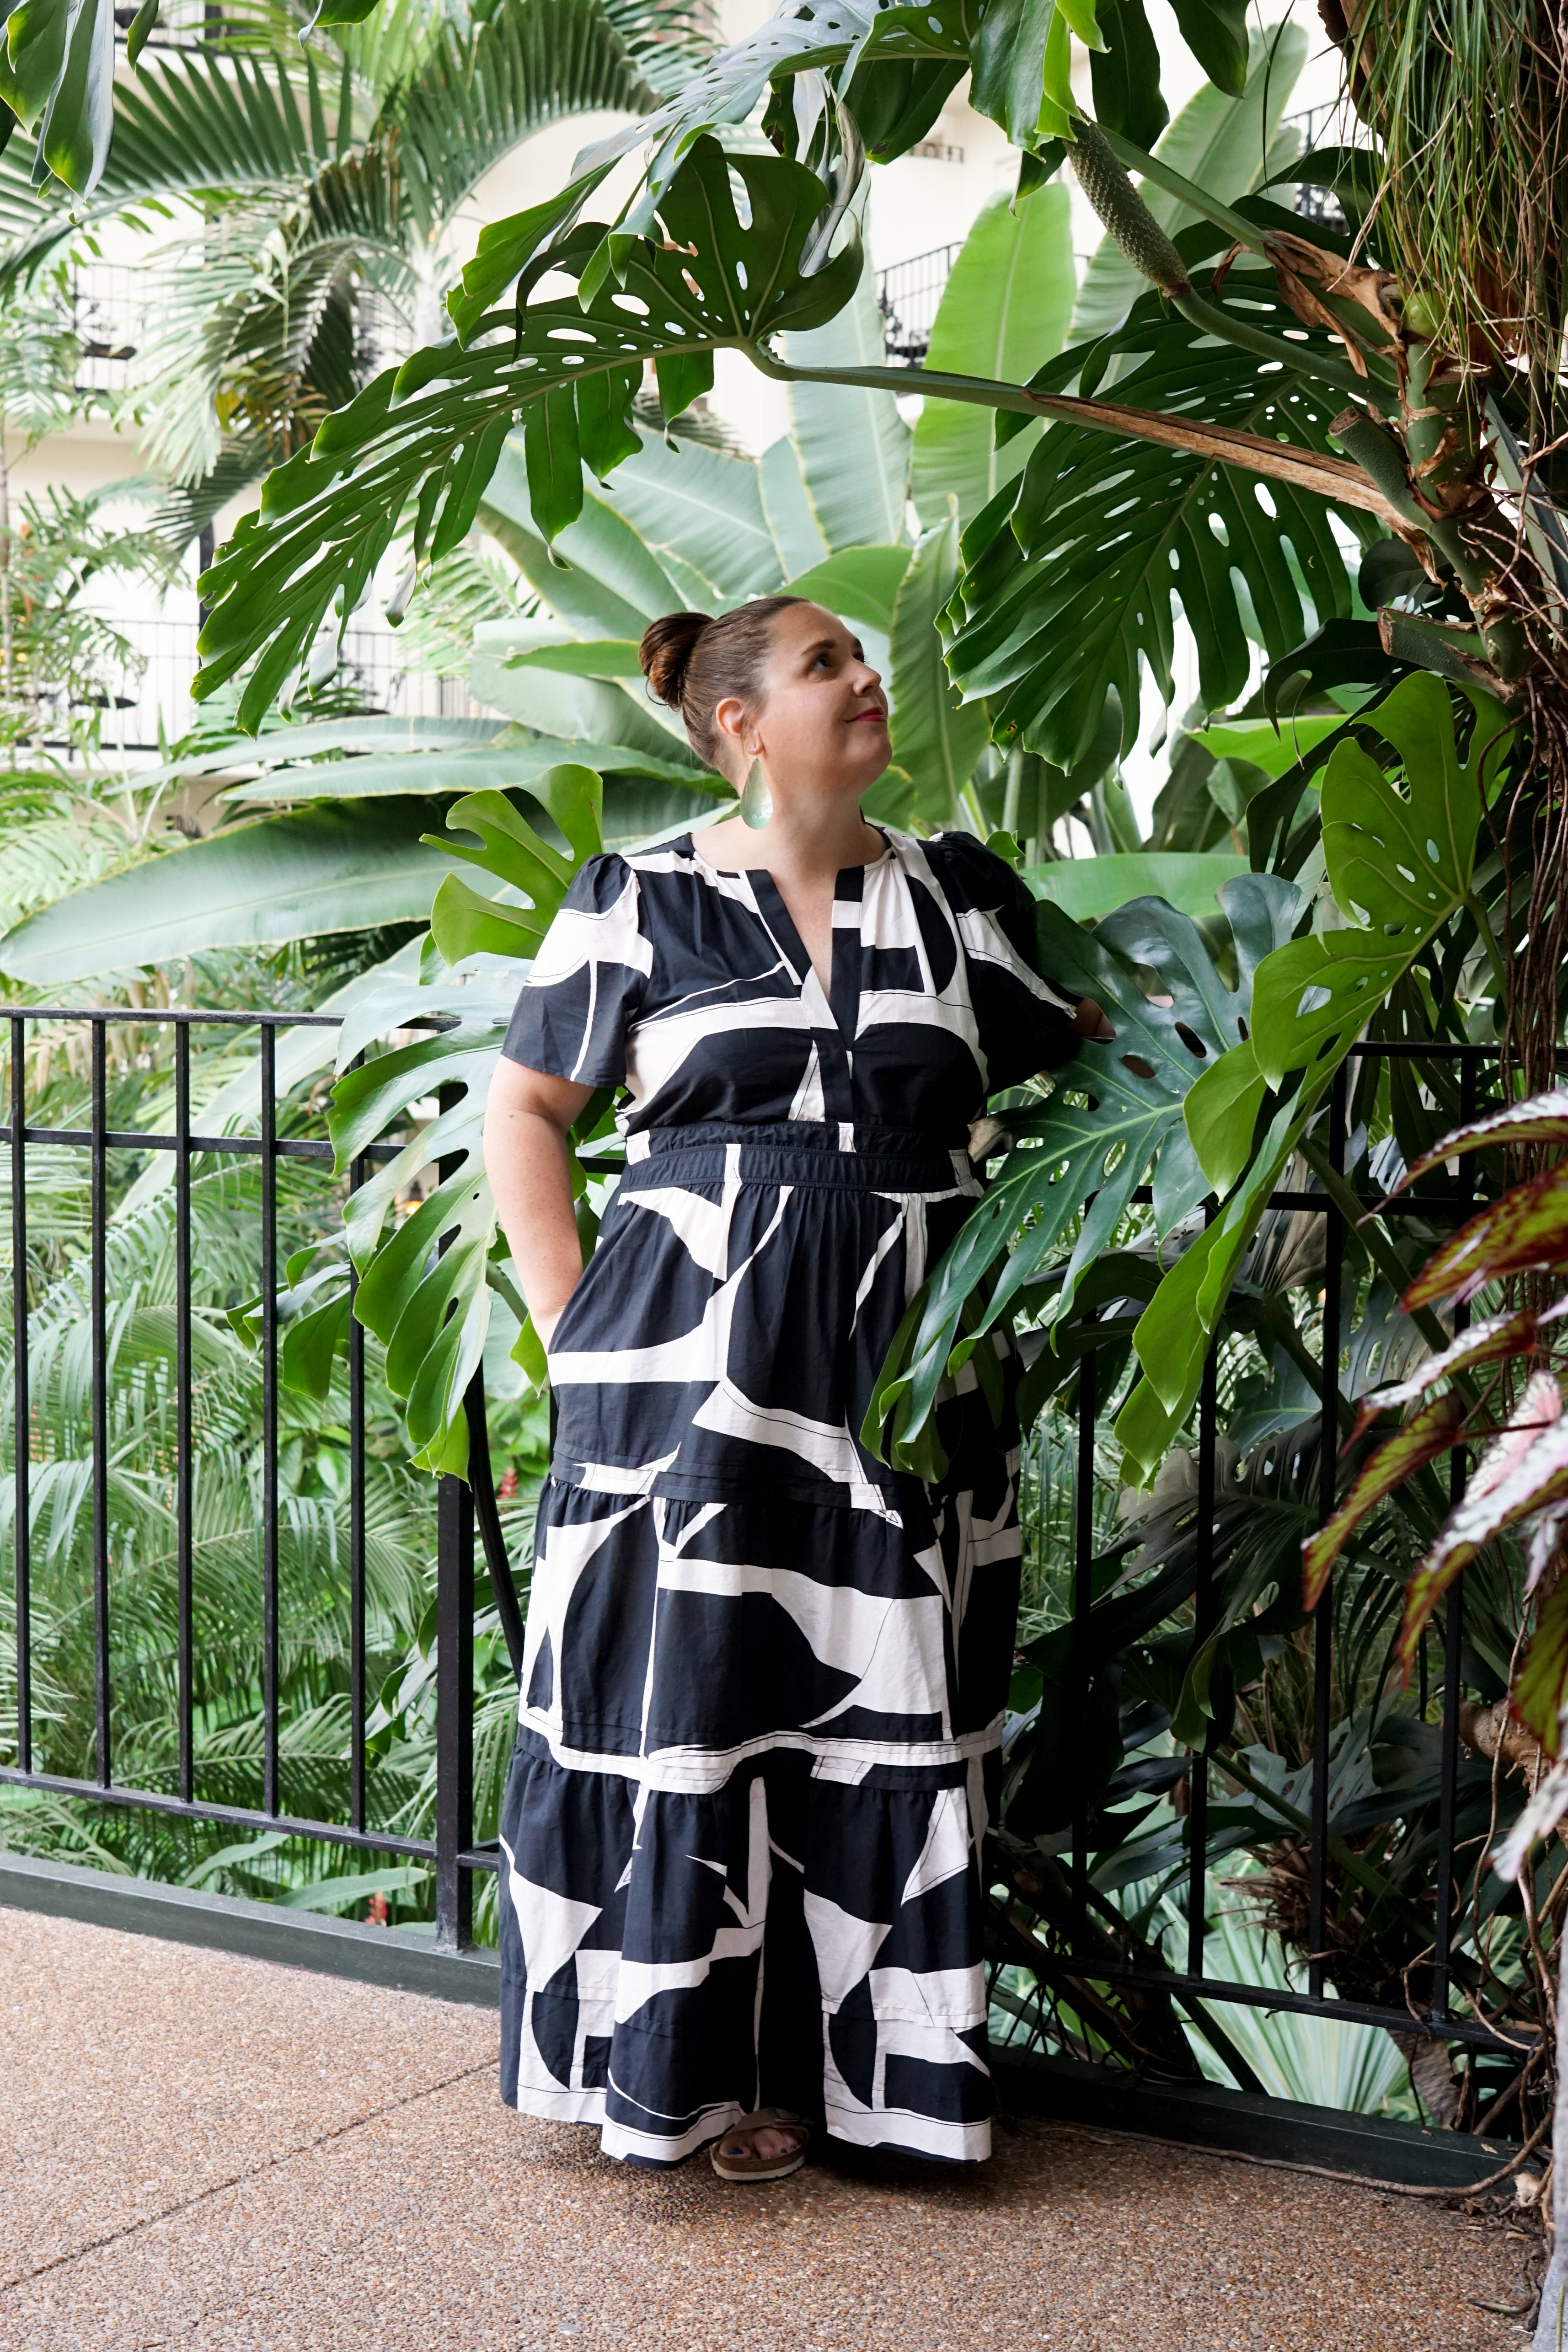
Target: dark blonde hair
point(695, 661)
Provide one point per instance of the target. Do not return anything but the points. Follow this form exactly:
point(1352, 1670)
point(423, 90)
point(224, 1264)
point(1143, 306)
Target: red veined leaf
point(1545, 1540)
point(1537, 1477)
point(1423, 1437)
point(1542, 1119)
point(1527, 1227)
point(1539, 1695)
point(1537, 1410)
point(1484, 1343)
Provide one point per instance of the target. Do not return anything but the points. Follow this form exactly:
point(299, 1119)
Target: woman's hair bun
point(666, 651)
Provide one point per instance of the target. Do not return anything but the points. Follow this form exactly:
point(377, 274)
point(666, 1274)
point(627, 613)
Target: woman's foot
point(767, 2142)
point(767, 2145)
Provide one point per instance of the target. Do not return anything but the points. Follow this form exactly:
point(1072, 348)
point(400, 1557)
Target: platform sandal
point(762, 2168)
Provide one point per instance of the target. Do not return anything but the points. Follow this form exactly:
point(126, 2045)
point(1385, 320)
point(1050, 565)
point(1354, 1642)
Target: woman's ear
point(730, 726)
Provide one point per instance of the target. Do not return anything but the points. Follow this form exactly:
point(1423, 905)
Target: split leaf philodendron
point(1399, 864)
point(1177, 1095)
point(570, 367)
point(424, 1288)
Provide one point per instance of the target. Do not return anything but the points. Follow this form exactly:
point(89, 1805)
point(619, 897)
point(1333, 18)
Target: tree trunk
point(1551, 2328)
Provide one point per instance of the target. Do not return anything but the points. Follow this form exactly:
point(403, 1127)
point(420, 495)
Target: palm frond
point(211, 126)
point(670, 42)
point(478, 96)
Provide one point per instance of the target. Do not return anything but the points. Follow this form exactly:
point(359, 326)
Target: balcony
point(209, 2150)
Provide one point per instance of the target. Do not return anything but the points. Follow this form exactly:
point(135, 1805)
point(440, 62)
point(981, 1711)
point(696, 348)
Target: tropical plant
point(1304, 449)
point(311, 185)
point(140, 1371)
point(1245, 379)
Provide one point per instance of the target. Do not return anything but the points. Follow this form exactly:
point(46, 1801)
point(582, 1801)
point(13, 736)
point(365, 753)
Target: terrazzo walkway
point(202, 2150)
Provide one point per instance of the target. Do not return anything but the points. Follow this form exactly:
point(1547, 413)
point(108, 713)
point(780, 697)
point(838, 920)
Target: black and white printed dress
point(764, 1677)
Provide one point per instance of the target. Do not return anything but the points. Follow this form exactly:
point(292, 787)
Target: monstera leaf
point(567, 368)
point(425, 1287)
point(844, 35)
point(1399, 864)
point(1072, 570)
point(1114, 1113)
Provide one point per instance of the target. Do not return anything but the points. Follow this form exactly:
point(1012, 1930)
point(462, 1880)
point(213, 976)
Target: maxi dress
point(764, 1676)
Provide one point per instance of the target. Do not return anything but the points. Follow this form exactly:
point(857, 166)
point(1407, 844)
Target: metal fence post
point(1082, 1602)
point(21, 1408)
point(454, 1714)
point(98, 1311)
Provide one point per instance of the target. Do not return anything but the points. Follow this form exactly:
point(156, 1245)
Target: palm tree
point(314, 190)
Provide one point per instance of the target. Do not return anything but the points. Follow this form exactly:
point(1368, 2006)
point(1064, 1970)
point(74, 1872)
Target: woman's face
point(821, 724)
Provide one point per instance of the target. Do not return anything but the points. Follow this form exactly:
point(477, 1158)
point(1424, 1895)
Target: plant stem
point(1197, 200)
point(1494, 953)
point(1303, 470)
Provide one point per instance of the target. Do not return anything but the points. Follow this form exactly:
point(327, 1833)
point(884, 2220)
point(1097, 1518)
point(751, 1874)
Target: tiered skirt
point(764, 1679)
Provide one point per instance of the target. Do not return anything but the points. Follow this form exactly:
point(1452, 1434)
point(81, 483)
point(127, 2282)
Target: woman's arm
point(525, 1123)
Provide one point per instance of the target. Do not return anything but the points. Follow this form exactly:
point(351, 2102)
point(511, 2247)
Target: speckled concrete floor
point(203, 2151)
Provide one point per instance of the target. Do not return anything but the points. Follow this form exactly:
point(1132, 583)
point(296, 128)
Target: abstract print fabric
point(764, 1676)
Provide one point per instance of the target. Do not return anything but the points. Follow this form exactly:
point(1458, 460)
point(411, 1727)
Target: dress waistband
point(797, 1151)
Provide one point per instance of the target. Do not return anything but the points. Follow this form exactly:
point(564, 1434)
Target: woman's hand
point(525, 1123)
point(1090, 1020)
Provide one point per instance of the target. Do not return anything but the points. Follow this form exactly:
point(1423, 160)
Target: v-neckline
point(842, 995)
point(782, 924)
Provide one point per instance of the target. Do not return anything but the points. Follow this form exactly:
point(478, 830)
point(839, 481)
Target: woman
point(764, 1677)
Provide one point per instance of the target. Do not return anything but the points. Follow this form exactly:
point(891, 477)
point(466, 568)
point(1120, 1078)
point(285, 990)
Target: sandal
point(762, 2167)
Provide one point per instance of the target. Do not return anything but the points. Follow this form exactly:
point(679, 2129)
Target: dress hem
point(922, 2134)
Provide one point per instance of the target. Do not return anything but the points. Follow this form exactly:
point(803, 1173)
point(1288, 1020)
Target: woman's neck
point(804, 842)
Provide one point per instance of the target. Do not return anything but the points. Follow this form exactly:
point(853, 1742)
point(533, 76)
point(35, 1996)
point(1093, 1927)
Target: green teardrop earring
point(756, 800)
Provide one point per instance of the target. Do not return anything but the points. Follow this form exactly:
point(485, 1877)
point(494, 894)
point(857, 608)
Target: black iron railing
point(452, 1850)
point(461, 1507)
point(908, 295)
point(1441, 2019)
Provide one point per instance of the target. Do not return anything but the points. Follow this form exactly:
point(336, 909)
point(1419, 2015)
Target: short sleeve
point(587, 981)
point(1024, 1018)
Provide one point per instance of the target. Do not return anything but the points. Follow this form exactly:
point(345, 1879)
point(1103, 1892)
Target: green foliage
point(453, 409)
point(1399, 864)
point(853, 445)
point(1020, 64)
point(335, 866)
point(1071, 572)
point(1436, 824)
point(1003, 313)
point(936, 740)
point(1087, 888)
point(425, 1290)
